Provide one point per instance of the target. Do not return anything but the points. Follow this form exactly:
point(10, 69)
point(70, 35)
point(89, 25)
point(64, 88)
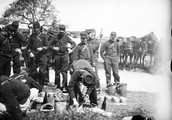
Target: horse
point(151, 49)
point(126, 50)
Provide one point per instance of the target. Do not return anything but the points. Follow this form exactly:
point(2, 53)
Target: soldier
point(5, 54)
point(94, 43)
point(38, 44)
point(83, 75)
point(83, 50)
point(59, 44)
point(14, 95)
point(110, 54)
point(16, 41)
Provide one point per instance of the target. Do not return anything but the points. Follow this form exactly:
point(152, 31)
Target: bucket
point(60, 107)
point(122, 89)
point(111, 90)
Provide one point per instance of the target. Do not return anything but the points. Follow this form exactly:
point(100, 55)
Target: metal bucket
point(111, 90)
point(122, 89)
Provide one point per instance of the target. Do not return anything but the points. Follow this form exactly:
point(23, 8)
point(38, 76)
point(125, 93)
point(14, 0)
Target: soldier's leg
point(57, 71)
point(107, 66)
point(5, 66)
point(115, 70)
point(97, 76)
point(42, 69)
point(93, 97)
point(64, 68)
point(16, 63)
point(33, 68)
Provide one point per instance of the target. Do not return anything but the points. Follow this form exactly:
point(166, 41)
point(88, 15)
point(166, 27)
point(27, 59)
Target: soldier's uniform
point(38, 44)
point(16, 41)
point(110, 54)
point(83, 50)
point(82, 70)
point(59, 44)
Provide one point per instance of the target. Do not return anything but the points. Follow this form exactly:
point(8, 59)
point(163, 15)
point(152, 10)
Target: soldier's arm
point(50, 43)
point(72, 83)
point(75, 53)
point(21, 38)
point(91, 55)
point(73, 44)
point(102, 50)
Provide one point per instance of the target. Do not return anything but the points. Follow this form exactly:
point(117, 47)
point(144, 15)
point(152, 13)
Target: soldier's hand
point(18, 50)
point(2, 108)
point(86, 98)
point(69, 50)
point(23, 48)
point(75, 103)
point(45, 47)
point(56, 48)
point(32, 55)
point(40, 48)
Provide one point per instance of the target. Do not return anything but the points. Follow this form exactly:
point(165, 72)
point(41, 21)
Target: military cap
point(36, 24)
point(15, 24)
point(83, 33)
point(62, 27)
point(87, 77)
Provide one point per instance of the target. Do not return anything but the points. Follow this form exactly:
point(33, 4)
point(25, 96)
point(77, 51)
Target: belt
point(61, 54)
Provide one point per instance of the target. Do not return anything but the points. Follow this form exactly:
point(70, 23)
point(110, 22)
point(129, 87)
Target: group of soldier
point(40, 49)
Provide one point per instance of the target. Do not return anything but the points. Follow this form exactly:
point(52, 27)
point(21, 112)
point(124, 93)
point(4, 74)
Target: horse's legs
point(125, 60)
point(151, 56)
point(143, 60)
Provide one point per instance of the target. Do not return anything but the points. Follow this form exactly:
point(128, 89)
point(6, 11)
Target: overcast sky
point(126, 17)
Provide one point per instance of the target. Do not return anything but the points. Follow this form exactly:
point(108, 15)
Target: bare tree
point(27, 11)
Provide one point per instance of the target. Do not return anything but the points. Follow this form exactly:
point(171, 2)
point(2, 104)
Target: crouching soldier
point(15, 96)
point(83, 75)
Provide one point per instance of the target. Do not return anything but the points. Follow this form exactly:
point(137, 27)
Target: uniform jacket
point(110, 50)
point(62, 43)
point(36, 41)
point(95, 46)
point(83, 51)
point(17, 40)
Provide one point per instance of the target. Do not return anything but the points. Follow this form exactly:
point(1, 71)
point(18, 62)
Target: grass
point(138, 103)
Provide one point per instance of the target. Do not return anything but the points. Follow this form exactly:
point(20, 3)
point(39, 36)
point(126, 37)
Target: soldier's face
point(113, 36)
point(92, 35)
point(36, 30)
point(83, 39)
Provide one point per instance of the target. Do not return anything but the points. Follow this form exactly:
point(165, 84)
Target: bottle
point(45, 98)
point(104, 104)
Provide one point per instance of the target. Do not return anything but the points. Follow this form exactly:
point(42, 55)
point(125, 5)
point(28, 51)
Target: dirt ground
point(148, 93)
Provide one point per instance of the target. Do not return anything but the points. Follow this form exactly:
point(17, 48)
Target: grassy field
point(138, 103)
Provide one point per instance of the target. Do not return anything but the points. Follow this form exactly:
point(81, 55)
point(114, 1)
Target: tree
point(27, 11)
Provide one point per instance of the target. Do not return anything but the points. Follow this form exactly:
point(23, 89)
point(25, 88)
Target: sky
point(126, 17)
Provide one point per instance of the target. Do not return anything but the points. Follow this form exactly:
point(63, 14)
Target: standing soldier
point(110, 54)
point(38, 43)
point(5, 54)
point(94, 43)
point(59, 43)
point(16, 41)
point(83, 50)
